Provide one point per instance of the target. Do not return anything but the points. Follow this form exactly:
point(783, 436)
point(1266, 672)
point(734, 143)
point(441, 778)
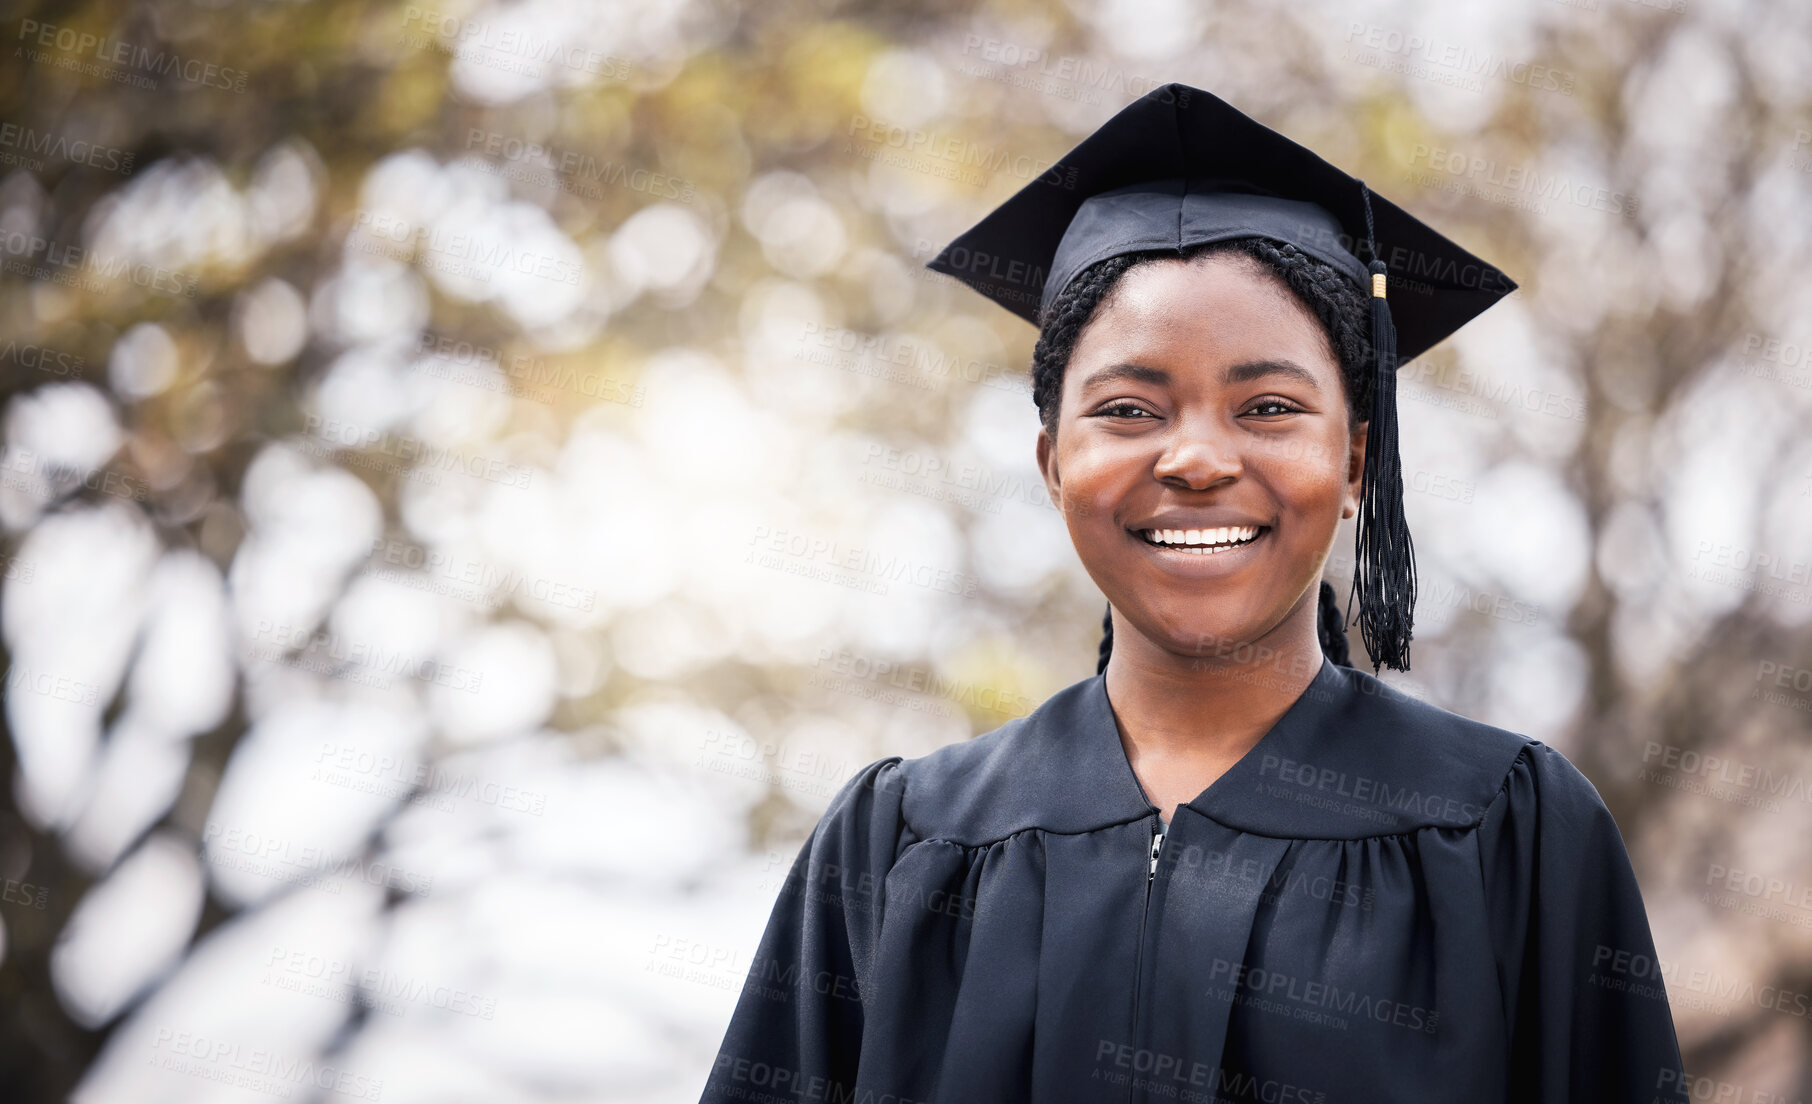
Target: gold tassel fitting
point(1377, 285)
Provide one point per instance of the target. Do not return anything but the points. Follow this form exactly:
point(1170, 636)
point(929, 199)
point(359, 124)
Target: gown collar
point(1308, 720)
point(1351, 758)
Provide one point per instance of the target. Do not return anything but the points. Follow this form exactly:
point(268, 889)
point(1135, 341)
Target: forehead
point(1218, 306)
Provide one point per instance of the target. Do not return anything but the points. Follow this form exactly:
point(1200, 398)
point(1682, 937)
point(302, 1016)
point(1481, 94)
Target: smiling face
point(1204, 455)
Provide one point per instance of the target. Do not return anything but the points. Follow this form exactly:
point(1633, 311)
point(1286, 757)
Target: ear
point(1047, 465)
point(1355, 470)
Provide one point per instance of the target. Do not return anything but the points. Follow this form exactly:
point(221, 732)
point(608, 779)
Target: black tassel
point(1384, 570)
point(1384, 566)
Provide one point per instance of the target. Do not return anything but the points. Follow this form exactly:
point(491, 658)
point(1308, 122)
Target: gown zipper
point(1151, 874)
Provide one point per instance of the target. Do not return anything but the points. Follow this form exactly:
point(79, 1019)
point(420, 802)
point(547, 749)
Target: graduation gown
point(1381, 901)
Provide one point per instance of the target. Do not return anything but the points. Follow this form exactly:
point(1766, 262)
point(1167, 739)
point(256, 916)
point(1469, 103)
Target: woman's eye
point(1269, 407)
point(1124, 410)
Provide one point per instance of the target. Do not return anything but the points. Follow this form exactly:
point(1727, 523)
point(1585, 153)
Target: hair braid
point(1339, 305)
point(1107, 640)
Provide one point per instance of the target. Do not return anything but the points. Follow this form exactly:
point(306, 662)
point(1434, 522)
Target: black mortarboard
point(1180, 167)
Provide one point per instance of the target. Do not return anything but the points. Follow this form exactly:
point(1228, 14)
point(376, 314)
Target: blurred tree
point(247, 141)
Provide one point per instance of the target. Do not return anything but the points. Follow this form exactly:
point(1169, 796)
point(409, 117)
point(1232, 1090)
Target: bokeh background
point(478, 477)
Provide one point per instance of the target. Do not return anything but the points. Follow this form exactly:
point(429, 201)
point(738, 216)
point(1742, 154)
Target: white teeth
point(1203, 541)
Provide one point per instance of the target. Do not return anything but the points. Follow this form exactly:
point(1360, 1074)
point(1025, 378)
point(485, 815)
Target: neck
point(1209, 709)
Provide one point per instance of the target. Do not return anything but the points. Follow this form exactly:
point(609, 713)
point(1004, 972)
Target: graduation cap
point(1180, 167)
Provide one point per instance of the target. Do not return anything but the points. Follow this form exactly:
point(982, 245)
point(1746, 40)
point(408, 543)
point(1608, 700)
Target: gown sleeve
point(1583, 993)
point(797, 1028)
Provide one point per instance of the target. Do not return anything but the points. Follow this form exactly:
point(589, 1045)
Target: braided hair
point(1339, 304)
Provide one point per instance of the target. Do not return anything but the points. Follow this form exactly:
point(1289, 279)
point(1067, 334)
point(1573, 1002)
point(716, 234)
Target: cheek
point(1307, 467)
point(1094, 483)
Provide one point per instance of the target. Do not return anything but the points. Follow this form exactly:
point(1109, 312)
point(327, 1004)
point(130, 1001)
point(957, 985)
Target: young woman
point(1230, 867)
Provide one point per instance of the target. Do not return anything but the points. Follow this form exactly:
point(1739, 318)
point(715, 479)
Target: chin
point(1195, 637)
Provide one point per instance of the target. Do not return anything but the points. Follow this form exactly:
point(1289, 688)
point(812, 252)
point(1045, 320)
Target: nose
point(1198, 455)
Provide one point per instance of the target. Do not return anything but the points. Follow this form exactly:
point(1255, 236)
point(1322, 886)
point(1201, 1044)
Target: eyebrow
point(1244, 372)
point(1259, 369)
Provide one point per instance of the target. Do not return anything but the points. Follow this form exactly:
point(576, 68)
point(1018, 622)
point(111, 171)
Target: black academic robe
point(1381, 901)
